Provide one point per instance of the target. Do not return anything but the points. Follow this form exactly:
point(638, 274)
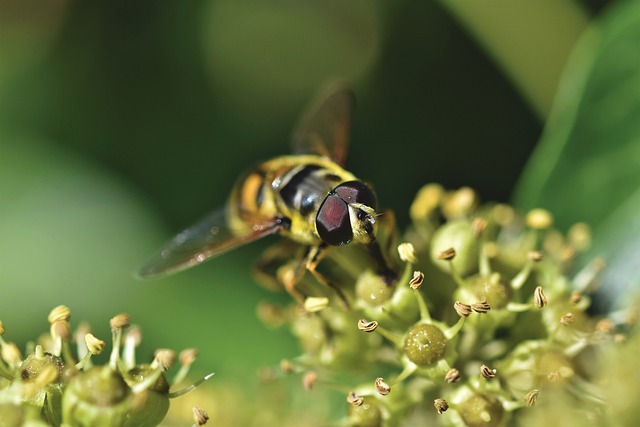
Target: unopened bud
point(407, 253)
point(539, 219)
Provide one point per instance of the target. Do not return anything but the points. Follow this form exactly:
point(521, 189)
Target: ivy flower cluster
point(485, 325)
point(54, 386)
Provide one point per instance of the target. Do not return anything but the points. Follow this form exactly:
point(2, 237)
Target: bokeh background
point(122, 122)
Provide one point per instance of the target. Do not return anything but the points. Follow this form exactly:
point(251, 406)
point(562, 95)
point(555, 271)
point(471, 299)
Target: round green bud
point(456, 234)
point(151, 405)
point(46, 371)
point(481, 410)
point(311, 333)
point(366, 415)
point(493, 289)
point(33, 365)
point(372, 289)
point(98, 397)
point(424, 344)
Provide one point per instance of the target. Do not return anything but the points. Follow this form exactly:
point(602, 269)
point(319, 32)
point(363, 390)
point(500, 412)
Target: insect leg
point(314, 257)
point(273, 263)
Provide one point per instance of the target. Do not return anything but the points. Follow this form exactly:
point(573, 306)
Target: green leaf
point(587, 164)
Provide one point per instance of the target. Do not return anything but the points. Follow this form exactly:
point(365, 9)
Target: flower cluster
point(482, 324)
point(53, 386)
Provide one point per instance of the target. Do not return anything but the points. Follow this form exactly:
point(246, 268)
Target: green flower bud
point(424, 344)
point(45, 370)
point(97, 397)
point(102, 397)
point(482, 410)
point(151, 404)
point(35, 363)
point(368, 414)
point(493, 289)
point(372, 290)
point(311, 333)
point(458, 235)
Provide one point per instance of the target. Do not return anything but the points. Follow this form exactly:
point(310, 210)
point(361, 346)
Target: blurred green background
point(122, 122)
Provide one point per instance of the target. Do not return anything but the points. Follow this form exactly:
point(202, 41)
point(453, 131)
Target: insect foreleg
point(316, 253)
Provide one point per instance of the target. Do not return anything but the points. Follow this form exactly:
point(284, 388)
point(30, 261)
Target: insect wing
point(323, 129)
point(208, 238)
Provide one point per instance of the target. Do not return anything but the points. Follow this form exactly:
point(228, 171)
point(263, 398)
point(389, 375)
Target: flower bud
point(539, 219)
point(372, 289)
point(367, 414)
point(459, 203)
point(98, 396)
point(424, 344)
point(458, 235)
point(482, 410)
point(407, 253)
point(426, 201)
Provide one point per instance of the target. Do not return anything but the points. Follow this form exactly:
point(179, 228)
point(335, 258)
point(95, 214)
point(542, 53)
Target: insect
point(307, 197)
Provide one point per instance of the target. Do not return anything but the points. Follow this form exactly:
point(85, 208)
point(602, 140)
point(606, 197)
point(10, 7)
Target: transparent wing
point(207, 238)
point(323, 128)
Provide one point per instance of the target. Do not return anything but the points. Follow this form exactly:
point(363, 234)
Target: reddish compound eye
point(332, 221)
point(356, 192)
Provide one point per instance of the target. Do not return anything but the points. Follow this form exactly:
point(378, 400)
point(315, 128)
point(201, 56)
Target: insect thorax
point(291, 187)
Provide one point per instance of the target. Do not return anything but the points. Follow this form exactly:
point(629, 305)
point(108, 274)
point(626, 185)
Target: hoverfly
point(307, 197)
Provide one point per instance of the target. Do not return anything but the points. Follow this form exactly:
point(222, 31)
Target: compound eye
point(356, 192)
point(332, 222)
